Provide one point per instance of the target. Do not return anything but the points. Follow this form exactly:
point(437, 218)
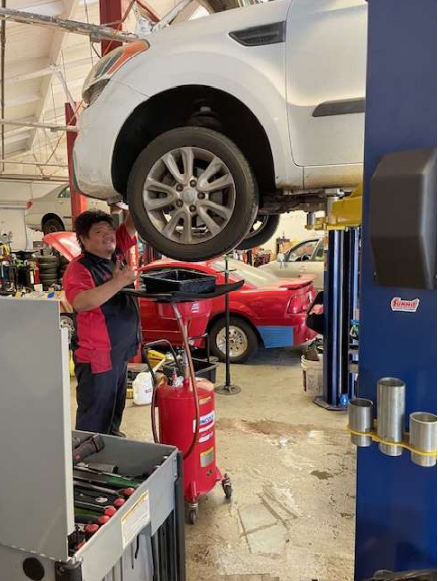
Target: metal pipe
point(94, 31)
point(360, 419)
point(171, 15)
point(423, 437)
point(35, 163)
point(310, 220)
point(51, 126)
point(33, 178)
point(391, 394)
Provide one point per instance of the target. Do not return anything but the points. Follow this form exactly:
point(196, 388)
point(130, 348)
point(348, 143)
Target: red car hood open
point(65, 243)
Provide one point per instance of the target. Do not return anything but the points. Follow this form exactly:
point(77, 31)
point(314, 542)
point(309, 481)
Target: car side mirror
point(280, 257)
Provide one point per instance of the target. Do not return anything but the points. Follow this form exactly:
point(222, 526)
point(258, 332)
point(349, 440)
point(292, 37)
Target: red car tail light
point(29, 205)
point(295, 305)
point(301, 301)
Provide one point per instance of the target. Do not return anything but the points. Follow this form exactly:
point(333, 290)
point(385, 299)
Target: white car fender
point(262, 90)
point(259, 72)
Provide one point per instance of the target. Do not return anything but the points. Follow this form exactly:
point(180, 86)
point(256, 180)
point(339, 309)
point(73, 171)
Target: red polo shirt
point(113, 328)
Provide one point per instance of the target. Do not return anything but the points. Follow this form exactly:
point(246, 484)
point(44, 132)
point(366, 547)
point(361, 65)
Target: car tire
point(49, 271)
point(49, 260)
point(66, 320)
point(53, 225)
point(242, 330)
point(260, 234)
point(237, 199)
point(48, 275)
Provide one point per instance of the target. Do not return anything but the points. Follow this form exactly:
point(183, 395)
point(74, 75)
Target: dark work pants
point(100, 397)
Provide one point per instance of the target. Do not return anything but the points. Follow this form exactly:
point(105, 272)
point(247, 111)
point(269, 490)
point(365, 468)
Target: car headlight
point(101, 73)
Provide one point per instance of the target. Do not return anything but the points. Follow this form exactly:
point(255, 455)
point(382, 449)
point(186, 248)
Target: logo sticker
point(399, 304)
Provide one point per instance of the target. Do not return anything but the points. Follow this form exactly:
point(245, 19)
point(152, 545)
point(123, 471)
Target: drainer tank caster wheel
point(226, 487)
point(193, 513)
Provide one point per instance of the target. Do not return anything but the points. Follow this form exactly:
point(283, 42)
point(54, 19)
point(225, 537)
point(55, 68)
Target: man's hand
point(123, 275)
point(95, 297)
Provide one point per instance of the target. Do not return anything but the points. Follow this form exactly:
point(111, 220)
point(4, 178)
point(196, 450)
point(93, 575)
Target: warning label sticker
point(136, 519)
point(205, 422)
point(207, 457)
point(206, 437)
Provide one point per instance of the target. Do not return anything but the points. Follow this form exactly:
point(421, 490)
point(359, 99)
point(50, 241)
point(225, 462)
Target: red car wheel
point(244, 341)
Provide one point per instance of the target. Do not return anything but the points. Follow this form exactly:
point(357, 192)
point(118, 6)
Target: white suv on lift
point(212, 128)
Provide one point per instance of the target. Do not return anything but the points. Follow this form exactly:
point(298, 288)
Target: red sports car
point(266, 311)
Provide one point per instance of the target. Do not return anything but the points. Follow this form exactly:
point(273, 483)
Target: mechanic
point(106, 320)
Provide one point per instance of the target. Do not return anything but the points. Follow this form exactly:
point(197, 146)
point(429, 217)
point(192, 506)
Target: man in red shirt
point(106, 320)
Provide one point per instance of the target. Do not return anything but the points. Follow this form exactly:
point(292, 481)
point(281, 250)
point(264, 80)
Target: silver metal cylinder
point(423, 437)
point(360, 419)
point(391, 394)
point(310, 222)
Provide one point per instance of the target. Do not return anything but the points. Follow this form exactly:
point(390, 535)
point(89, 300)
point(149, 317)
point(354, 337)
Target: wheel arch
point(198, 106)
point(51, 216)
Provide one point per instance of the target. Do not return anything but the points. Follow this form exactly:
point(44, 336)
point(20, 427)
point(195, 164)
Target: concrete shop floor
point(293, 473)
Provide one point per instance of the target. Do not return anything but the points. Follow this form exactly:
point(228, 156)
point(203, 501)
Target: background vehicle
point(52, 212)
point(269, 118)
point(266, 312)
point(306, 258)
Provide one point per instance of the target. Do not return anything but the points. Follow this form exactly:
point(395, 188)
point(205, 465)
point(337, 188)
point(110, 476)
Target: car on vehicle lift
point(211, 128)
point(267, 311)
point(52, 212)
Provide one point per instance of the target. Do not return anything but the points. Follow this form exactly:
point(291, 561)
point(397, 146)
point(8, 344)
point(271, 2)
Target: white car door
point(326, 72)
point(63, 208)
point(299, 257)
point(293, 265)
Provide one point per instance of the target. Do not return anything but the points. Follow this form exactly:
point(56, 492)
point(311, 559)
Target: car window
point(304, 249)
point(321, 250)
point(65, 194)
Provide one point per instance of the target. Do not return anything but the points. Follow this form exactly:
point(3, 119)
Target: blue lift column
point(396, 499)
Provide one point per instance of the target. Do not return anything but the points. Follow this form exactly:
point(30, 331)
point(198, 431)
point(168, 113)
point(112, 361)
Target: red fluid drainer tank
point(177, 426)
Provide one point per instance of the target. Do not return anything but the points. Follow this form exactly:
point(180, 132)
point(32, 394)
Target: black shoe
point(118, 434)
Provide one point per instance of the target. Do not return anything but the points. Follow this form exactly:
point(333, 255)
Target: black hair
point(86, 220)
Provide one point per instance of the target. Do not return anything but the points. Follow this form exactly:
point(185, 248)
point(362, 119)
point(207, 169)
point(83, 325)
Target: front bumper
point(99, 127)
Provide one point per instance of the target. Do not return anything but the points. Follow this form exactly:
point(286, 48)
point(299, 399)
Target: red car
point(266, 311)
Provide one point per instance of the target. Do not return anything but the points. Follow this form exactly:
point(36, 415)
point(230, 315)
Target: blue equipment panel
point(396, 499)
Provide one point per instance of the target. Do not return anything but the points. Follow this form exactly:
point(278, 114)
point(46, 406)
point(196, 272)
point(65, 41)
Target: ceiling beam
point(15, 138)
point(36, 125)
point(23, 99)
point(54, 56)
point(55, 8)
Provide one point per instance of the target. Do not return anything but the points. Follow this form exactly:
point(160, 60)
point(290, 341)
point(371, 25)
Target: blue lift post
point(340, 304)
point(396, 500)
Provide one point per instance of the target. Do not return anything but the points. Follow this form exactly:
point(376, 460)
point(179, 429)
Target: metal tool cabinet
point(144, 541)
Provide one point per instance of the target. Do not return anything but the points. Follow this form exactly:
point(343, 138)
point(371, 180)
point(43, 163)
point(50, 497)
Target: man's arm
point(95, 297)
point(129, 225)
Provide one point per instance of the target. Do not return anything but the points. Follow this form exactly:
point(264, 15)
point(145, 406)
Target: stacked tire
point(63, 263)
point(48, 266)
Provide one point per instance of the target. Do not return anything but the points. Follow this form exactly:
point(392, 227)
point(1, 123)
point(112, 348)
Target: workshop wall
point(293, 226)
point(13, 198)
